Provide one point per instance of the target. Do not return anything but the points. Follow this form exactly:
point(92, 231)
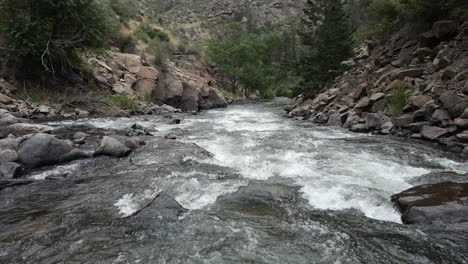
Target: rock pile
point(415, 86)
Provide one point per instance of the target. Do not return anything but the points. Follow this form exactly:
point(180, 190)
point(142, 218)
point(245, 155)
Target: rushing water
point(274, 190)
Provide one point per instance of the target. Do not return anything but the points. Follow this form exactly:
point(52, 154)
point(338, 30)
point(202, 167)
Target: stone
point(216, 98)
point(352, 120)
point(130, 61)
point(8, 155)
point(22, 129)
point(462, 76)
point(10, 170)
point(80, 135)
point(6, 87)
point(9, 143)
point(377, 97)
point(5, 99)
point(403, 121)
point(44, 149)
point(453, 103)
point(123, 88)
point(465, 88)
point(432, 132)
point(129, 79)
point(445, 29)
point(145, 86)
point(112, 147)
point(171, 136)
point(412, 73)
point(440, 63)
point(428, 40)
point(386, 128)
point(460, 122)
point(360, 128)
point(335, 120)
point(420, 100)
point(148, 73)
point(441, 115)
point(363, 103)
point(134, 143)
point(447, 74)
point(422, 53)
point(373, 121)
point(169, 109)
point(463, 136)
point(433, 203)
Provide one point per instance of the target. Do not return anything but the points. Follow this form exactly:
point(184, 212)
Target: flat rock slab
point(439, 203)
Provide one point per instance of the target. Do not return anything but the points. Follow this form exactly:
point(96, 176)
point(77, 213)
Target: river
point(258, 188)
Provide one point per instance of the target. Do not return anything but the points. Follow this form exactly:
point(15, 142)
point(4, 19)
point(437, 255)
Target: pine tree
point(328, 37)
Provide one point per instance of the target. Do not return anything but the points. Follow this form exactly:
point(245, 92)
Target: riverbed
point(248, 186)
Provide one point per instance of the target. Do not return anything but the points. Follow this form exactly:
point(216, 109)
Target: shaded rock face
point(43, 149)
point(431, 69)
point(442, 203)
point(9, 170)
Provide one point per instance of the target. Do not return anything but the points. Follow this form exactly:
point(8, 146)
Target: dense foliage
point(45, 34)
point(251, 61)
point(327, 34)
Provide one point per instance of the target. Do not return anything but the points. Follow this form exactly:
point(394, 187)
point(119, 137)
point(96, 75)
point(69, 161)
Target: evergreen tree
point(328, 37)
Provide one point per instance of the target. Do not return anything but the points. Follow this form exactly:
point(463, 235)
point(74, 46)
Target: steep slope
point(411, 85)
point(199, 19)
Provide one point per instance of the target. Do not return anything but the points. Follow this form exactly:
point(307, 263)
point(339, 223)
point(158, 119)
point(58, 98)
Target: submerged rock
point(43, 149)
point(443, 203)
point(112, 147)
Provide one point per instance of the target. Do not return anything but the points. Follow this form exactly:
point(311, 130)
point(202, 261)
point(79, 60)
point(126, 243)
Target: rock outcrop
point(441, 203)
point(430, 74)
point(188, 90)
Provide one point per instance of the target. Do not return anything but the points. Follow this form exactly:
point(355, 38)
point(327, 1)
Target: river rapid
point(256, 188)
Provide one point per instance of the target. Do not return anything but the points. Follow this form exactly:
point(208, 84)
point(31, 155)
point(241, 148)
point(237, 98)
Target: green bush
point(125, 43)
point(146, 32)
point(161, 50)
point(43, 34)
point(123, 102)
point(399, 97)
point(125, 9)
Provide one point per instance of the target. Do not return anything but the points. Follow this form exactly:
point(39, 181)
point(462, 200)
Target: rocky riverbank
point(411, 85)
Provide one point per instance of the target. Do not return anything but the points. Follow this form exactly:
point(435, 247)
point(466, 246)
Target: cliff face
point(411, 85)
point(199, 19)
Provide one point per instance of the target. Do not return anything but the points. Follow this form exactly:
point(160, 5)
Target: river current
point(270, 190)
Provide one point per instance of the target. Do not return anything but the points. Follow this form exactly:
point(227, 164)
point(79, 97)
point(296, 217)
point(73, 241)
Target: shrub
point(43, 34)
point(125, 9)
point(228, 95)
point(123, 102)
point(147, 97)
point(161, 50)
point(125, 43)
point(399, 98)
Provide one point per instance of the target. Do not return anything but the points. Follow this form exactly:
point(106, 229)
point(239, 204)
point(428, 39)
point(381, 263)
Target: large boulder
point(112, 147)
point(453, 103)
point(216, 98)
point(434, 203)
point(432, 132)
point(130, 61)
point(44, 149)
point(10, 170)
point(23, 129)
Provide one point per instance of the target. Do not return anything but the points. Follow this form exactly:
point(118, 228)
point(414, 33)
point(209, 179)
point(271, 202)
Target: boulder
point(80, 135)
point(335, 120)
point(10, 170)
point(447, 74)
point(420, 100)
point(453, 103)
point(433, 203)
point(412, 73)
point(363, 103)
point(386, 128)
point(22, 129)
point(44, 149)
point(148, 73)
point(216, 98)
point(8, 155)
point(359, 128)
point(403, 121)
point(123, 88)
point(463, 137)
point(377, 97)
point(460, 122)
point(190, 99)
point(130, 61)
point(145, 86)
point(112, 147)
point(422, 53)
point(5, 99)
point(432, 132)
point(373, 121)
point(440, 63)
point(440, 115)
point(445, 30)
